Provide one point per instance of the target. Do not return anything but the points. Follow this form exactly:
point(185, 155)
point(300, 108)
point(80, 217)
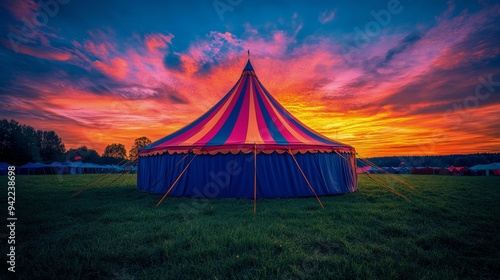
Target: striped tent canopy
point(247, 118)
point(247, 146)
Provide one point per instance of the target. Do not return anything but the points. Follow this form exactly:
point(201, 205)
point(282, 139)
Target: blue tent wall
point(228, 175)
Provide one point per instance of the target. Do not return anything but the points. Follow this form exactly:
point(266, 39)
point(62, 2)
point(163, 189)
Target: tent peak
point(248, 67)
point(248, 70)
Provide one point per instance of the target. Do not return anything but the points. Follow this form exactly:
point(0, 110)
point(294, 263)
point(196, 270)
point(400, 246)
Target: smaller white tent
point(488, 168)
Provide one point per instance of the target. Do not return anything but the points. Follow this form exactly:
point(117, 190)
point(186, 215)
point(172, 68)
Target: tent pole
point(309, 184)
point(176, 180)
point(254, 178)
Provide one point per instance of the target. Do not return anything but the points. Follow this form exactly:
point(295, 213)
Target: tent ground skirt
point(232, 175)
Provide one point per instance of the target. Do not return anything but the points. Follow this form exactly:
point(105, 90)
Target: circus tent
point(247, 146)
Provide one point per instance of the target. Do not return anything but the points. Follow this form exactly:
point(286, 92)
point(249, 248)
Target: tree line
point(20, 144)
point(442, 161)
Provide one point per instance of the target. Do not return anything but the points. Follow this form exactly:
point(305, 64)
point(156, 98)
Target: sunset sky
point(405, 77)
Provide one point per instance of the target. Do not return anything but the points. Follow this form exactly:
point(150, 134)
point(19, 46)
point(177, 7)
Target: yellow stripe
point(209, 125)
point(253, 133)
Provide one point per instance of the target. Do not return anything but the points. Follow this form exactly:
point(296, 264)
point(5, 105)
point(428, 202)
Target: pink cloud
point(45, 53)
point(452, 58)
point(155, 41)
point(99, 50)
point(21, 8)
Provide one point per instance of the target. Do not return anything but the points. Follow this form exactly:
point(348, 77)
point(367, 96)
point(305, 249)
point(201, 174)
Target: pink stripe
point(224, 116)
point(286, 134)
point(239, 132)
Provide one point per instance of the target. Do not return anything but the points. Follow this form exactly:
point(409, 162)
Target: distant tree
point(115, 151)
point(71, 154)
point(85, 154)
point(494, 158)
point(480, 159)
point(436, 162)
point(462, 161)
point(18, 143)
point(92, 156)
point(138, 144)
point(50, 146)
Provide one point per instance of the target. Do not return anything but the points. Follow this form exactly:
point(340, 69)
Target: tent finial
point(248, 54)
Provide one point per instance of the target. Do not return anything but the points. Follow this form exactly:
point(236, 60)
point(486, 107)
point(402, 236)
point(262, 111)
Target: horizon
point(390, 78)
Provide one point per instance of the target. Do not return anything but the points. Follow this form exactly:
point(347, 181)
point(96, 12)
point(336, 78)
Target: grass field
point(450, 230)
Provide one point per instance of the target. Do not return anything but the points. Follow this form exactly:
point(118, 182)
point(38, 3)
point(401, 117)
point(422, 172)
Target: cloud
point(205, 68)
point(20, 9)
point(45, 53)
point(99, 50)
point(97, 88)
point(326, 16)
point(156, 41)
point(136, 92)
point(175, 96)
point(407, 41)
point(116, 68)
point(480, 47)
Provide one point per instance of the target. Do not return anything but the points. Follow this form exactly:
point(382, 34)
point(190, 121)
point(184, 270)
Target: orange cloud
point(117, 68)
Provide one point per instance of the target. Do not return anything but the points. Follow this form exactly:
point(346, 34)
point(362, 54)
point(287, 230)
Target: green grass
point(450, 230)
